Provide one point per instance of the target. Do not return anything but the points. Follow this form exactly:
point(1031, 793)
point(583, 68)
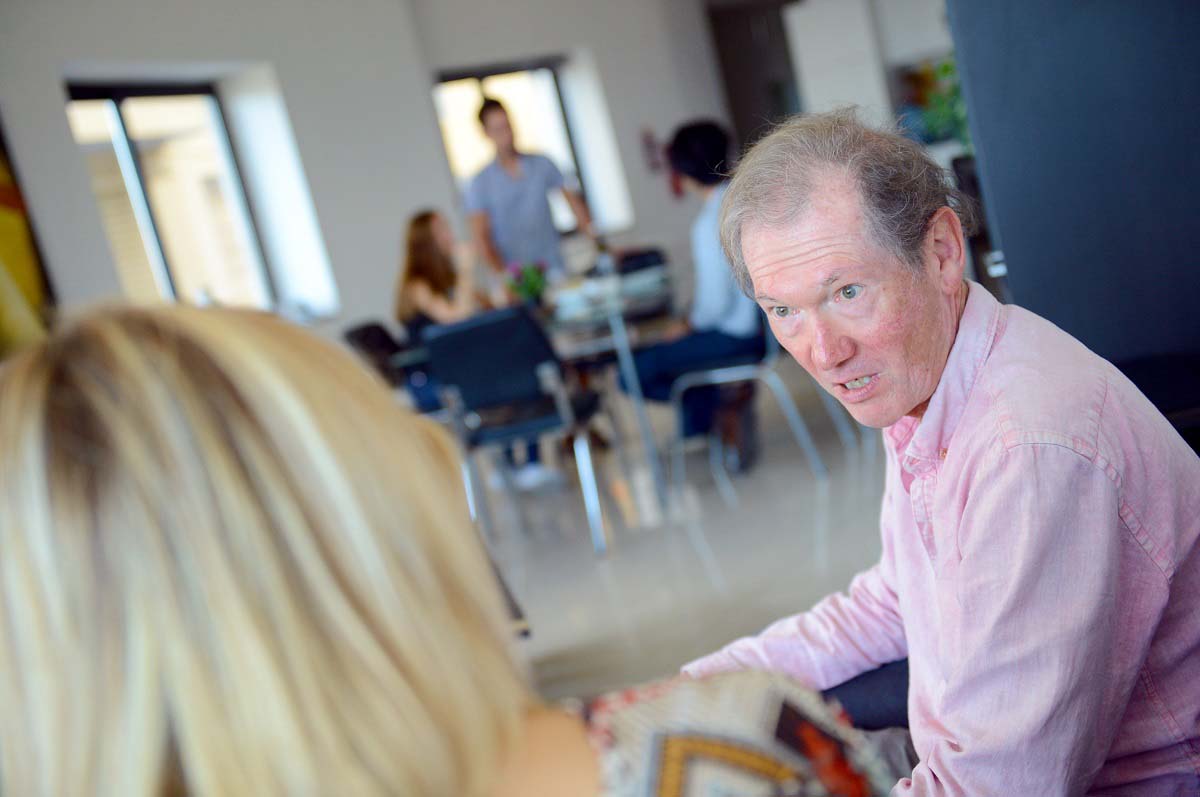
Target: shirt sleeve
point(842, 636)
point(1048, 621)
point(554, 178)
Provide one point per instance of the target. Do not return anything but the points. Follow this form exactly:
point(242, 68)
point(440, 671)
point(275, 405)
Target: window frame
point(551, 63)
point(116, 93)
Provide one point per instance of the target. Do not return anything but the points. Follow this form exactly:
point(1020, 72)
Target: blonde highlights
point(233, 565)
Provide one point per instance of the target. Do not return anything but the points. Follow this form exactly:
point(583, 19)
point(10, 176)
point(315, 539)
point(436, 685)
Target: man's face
point(871, 330)
point(498, 130)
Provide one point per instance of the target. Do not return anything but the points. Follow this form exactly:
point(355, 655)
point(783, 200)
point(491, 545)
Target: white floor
point(665, 595)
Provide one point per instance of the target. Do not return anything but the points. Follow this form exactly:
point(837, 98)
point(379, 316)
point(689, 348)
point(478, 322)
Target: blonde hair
point(232, 565)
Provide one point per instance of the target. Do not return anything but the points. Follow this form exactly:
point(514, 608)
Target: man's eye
point(780, 311)
point(850, 292)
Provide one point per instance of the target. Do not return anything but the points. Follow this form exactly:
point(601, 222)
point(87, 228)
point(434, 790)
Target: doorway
point(756, 65)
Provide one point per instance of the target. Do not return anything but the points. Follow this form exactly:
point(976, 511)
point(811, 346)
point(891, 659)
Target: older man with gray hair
point(1040, 565)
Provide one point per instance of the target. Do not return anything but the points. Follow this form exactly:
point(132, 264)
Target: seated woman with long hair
point(232, 565)
point(437, 282)
point(437, 285)
point(431, 291)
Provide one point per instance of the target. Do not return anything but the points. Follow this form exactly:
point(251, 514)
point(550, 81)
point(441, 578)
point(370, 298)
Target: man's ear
point(945, 248)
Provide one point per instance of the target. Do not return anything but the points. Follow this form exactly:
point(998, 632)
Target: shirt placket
point(921, 496)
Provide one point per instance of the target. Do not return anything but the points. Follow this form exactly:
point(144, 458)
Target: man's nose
point(829, 347)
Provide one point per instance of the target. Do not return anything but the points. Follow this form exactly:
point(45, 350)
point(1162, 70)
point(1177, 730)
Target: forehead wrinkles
point(784, 254)
point(773, 252)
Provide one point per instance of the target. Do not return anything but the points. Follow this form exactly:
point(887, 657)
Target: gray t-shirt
point(519, 211)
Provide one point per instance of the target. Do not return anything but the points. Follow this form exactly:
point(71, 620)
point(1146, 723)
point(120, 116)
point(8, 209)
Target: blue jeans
point(876, 699)
point(659, 366)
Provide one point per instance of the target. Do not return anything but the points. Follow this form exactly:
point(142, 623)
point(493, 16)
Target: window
point(170, 195)
point(531, 94)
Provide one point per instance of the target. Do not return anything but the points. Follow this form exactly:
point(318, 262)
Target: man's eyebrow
point(762, 297)
point(832, 278)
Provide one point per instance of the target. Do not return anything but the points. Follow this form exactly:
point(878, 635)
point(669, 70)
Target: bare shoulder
point(552, 756)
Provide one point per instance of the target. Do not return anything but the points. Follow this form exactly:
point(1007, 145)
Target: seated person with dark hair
point(724, 325)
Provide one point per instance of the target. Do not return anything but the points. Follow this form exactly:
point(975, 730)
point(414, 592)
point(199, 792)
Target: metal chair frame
point(464, 423)
point(762, 371)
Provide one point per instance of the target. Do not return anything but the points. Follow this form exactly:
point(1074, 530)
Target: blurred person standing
point(511, 222)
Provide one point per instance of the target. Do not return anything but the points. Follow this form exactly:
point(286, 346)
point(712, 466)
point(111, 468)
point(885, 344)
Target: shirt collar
point(972, 345)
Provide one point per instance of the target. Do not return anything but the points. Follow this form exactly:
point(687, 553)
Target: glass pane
point(468, 150)
point(198, 205)
point(535, 111)
point(93, 124)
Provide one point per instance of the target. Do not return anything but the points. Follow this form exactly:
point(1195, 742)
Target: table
point(581, 339)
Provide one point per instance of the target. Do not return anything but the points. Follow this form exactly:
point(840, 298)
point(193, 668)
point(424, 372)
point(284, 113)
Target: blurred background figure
point(233, 565)
point(724, 325)
point(439, 284)
point(436, 286)
point(510, 214)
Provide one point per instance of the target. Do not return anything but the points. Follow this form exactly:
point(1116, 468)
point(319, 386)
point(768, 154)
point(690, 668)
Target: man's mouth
point(862, 381)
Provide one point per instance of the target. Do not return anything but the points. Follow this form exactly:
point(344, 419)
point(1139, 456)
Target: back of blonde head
point(232, 566)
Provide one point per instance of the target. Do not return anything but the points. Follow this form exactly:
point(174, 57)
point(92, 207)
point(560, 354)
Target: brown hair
point(424, 262)
point(490, 104)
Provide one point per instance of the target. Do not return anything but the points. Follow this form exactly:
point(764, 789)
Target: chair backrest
point(491, 358)
point(375, 344)
point(637, 259)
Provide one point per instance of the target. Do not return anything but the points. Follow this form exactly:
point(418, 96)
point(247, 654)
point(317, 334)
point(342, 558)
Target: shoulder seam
point(1125, 514)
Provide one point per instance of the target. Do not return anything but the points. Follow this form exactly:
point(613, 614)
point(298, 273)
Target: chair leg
point(510, 490)
point(799, 428)
point(678, 453)
point(617, 441)
point(837, 414)
point(716, 463)
point(477, 498)
point(591, 492)
point(621, 487)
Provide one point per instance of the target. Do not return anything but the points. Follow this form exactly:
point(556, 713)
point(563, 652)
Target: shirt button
point(942, 453)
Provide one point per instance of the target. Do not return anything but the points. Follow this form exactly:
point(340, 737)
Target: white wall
point(654, 60)
point(911, 31)
point(842, 49)
point(355, 86)
point(835, 51)
point(357, 90)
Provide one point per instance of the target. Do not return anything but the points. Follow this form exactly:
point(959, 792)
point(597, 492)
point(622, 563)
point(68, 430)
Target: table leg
point(624, 350)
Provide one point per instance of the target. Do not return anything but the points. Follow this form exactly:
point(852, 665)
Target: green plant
point(527, 281)
point(946, 112)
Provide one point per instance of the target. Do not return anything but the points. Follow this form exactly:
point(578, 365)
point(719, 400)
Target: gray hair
point(899, 184)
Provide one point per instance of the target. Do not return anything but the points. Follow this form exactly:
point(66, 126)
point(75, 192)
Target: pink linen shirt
point(1040, 570)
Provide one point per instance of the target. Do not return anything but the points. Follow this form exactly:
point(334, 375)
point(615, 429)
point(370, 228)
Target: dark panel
point(1085, 120)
